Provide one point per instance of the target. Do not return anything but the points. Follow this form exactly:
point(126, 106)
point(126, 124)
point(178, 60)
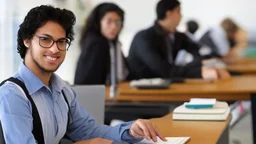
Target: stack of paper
point(219, 110)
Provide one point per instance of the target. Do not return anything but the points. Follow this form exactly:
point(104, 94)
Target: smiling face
point(41, 59)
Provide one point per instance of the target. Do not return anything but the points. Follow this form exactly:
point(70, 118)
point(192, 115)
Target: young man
point(153, 51)
point(43, 39)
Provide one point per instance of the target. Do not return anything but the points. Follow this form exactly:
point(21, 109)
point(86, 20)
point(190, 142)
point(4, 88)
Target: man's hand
point(214, 74)
point(209, 73)
point(145, 128)
point(95, 141)
point(223, 74)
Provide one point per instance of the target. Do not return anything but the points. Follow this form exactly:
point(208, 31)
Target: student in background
point(225, 40)
point(191, 27)
point(153, 51)
point(101, 59)
point(43, 39)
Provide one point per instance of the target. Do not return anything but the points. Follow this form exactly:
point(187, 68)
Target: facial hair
point(40, 66)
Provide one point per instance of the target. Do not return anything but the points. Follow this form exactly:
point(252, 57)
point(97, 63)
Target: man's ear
point(168, 13)
point(27, 43)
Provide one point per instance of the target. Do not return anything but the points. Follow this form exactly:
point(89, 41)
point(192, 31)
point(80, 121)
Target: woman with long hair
point(101, 60)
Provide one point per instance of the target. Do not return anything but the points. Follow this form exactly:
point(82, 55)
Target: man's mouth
point(51, 58)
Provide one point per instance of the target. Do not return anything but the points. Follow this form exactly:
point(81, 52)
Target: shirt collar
point(172, 37)
point(57, 83)
point(33, 83)
point(159, 29)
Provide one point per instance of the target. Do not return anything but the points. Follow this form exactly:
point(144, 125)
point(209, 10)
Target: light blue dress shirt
point(16, 113)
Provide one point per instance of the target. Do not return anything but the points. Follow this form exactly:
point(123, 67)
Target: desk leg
point(253, 109)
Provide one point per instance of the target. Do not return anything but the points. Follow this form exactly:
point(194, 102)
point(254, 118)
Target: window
point(6, 39)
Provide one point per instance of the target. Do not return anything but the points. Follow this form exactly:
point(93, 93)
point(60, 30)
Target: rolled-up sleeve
point(82, 126)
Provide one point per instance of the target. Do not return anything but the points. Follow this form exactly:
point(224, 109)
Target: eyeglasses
point(118, 23)
point(47, 42)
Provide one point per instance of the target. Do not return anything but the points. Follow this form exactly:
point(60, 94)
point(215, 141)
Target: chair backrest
point(92, 98)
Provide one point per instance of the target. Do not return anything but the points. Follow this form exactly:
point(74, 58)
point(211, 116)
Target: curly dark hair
point(92, 24)
point(37, 17)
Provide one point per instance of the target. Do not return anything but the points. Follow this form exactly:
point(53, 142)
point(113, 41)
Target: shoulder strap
point(2, 141)
point(37, 125)
point(69, 111)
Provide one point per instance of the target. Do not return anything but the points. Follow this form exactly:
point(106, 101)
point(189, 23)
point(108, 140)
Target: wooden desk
point(244, 68)
point(241, 60)
point(242, 65)
point(200, 132)
point(237, 88)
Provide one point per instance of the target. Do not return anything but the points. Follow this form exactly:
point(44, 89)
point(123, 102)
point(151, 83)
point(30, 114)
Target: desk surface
point(237, 88)
point(200, 132)
point(241, 60)
point(242, 65)
point(244, 68)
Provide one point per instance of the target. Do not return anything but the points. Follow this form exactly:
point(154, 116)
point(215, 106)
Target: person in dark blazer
point(153, 51)
point(99, 35)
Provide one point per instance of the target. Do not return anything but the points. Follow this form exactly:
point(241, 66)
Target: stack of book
point(202, 109)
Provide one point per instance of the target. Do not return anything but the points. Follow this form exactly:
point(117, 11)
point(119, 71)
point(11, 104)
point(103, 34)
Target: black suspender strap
point(2, 141)
point(69, 112)
point(37, 125)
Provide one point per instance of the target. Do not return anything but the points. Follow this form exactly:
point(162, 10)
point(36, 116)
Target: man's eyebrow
point(47, 35)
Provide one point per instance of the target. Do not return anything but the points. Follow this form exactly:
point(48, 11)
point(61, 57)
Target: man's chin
point(50, 70)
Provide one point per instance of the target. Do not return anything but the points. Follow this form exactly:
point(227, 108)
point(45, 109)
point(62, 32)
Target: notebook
point(154, 83)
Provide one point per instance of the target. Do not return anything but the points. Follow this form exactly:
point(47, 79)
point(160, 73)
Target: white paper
point(202, 101)
point(170, 140)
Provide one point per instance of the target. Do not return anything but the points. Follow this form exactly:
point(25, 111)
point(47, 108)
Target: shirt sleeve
point(15, 115)
point(219, 38)
point(82, 126)
point(127, 137)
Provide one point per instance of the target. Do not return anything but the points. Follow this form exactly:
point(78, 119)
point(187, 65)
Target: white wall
point(211, 12)
point(5, 40)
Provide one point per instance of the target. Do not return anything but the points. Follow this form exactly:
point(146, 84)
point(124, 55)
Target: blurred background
point(139, 14)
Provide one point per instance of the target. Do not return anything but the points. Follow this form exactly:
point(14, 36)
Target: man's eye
point(45, 39)
point(62, 42)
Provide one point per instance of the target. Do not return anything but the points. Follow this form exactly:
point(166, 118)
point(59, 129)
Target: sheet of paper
point(202, 101)
point(170, 140)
